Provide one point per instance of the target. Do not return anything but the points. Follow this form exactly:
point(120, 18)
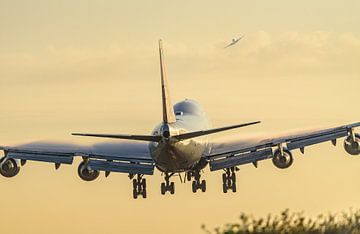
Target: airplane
point(178, 144)
point(233, 42)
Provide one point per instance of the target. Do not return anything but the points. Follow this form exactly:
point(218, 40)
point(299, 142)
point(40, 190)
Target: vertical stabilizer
point(168, 110)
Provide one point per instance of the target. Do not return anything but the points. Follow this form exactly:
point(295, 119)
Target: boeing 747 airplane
point(179, 144)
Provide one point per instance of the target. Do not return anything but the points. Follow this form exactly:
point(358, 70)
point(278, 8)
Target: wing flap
point(132, 168)
point(122, 157)
point(42, 157)
point(315, 140)
point(237, 160)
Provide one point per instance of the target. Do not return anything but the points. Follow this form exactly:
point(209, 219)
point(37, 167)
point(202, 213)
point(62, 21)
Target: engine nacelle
point(86, 174)
point(352, 147)
point(282, 161)
point(9, 167)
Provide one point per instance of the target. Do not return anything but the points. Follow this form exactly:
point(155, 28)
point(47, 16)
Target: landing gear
point(229, 179)
point(167, 186)
point(139, 186)
point(196, 184)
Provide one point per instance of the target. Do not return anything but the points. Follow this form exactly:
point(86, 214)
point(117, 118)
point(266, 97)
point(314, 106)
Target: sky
point(92, 66)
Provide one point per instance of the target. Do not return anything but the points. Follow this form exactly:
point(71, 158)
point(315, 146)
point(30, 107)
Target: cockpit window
point(188, 107)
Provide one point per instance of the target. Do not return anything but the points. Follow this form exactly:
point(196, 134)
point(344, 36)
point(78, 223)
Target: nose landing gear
point(168, 186)
point(229, 179)
point(139, 186)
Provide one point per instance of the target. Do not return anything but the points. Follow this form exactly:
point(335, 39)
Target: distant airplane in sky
point(178, 144)
point(233, 42)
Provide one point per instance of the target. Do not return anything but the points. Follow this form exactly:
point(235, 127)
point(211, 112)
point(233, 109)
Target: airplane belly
point(179, 157)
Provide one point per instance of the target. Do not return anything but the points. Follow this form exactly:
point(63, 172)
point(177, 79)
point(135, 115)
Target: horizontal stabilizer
point(210, 131)
point(117, 136)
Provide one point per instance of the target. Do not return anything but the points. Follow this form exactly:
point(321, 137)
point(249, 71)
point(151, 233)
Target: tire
point(224, 178)
point(172, 187)
point(233, 187)
point(194, 187)
point(135, 195)
point(233, 177)
point(224, 188)
point(203, 186)
point(163, 188)
point(144, 193)
point(143, 182)
point(188, 176)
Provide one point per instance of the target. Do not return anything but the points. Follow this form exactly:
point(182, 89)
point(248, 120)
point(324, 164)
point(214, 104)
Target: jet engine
point(352, 146)
point(86, 174)
point(282, 159)
point(9, 167)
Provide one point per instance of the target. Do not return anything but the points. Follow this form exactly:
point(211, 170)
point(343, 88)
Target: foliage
point(293, 223)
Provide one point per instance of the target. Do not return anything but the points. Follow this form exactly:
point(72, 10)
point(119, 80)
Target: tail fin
point(167, 108)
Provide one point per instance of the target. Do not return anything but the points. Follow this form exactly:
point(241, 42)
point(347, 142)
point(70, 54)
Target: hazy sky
point(93, 66)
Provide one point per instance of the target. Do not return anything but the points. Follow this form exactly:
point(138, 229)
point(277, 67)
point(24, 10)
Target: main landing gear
point(229, 179)
point(139, 186)
point(196, 184)
point(168, 186)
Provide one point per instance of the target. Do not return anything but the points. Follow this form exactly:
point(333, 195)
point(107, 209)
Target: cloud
point(258, 54)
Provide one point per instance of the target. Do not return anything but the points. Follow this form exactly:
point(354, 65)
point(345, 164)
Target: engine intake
point(86, 174)
point(283, 160)
point(352, 147)
point(9, 167)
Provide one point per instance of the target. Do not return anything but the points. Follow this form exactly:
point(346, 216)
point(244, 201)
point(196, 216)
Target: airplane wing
point(125, 157)
point(233, 42)
point(251, 150)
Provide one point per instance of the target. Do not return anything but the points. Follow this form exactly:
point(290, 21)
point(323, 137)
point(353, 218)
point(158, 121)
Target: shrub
point(293, 223)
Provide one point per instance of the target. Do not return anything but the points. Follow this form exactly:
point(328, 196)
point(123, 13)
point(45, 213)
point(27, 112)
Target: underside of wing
point(125, 157)
point(253, 149)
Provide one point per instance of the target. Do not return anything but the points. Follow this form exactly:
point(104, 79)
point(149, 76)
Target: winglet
point(167, 108)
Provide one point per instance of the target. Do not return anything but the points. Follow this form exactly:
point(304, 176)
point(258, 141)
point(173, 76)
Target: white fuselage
point(179, 156)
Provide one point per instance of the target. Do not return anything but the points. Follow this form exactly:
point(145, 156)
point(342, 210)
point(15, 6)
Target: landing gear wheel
point(172, 188)
point(194, 187)
point(143, 183)
point(233, 187)
point(139, 187)
point(144, 193)
point(168, 186)
point(224, 178)
point(197, 183)
point(163, 188)
point(135, 195)
point(229, 180)
point(233, 178)
point(203, 186)
point(188, 176)
point(224, 188)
